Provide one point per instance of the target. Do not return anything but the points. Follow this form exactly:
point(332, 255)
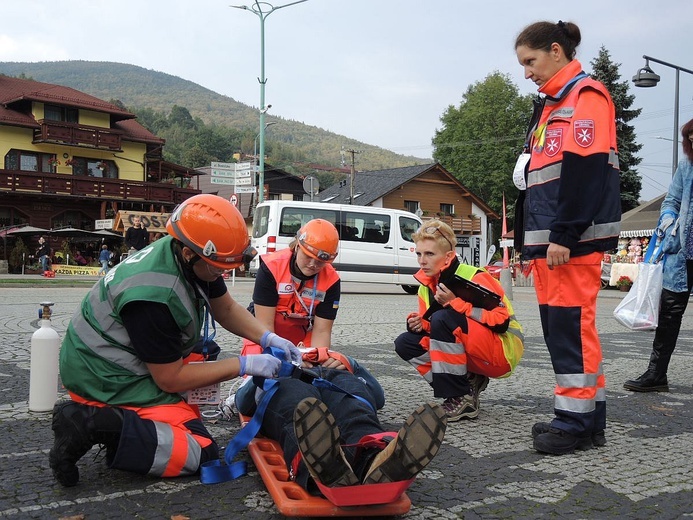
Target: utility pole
point(353, 174)
point(262, 10)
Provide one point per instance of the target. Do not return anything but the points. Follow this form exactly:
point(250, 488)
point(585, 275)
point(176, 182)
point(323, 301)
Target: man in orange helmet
point(297, 290)
point(127, 356)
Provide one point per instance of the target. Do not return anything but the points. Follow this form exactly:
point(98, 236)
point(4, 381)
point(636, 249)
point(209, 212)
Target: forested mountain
point(164, 102)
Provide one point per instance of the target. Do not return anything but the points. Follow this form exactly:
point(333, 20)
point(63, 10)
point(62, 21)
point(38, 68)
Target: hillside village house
point(71, 159)
point(429, 191)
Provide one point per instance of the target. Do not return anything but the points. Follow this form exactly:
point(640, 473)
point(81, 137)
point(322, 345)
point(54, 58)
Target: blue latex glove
point(263, 365)
point(270, 339)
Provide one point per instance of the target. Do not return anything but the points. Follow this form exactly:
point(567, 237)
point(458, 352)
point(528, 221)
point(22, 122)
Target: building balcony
point(91, 187)
point(73, 134)
point(464, 226)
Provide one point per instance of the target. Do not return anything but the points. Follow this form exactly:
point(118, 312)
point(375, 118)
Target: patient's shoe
point(319, 443)
point(416, 444)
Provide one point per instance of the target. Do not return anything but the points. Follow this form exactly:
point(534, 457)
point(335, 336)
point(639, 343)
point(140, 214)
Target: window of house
point(28, 161)
point(447, 209)
point(58, 113)
point(411, 206)
point(72, 218)
point(87, 167)
point(12, 217)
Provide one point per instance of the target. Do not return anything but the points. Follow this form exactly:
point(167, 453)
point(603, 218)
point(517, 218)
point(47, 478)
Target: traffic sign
point(243, 166)
point(223, 166)
point(245, 189)
point(222, 180)
point(244, 181)
point(223, 173)
point(234, 199)
point(243, 173)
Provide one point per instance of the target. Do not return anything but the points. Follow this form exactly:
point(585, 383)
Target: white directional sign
point(222, 180)
point(223, 166)
point(244, 181)
point(243, 166)
point(243, 173)
point(223, 173)
point(245, 189)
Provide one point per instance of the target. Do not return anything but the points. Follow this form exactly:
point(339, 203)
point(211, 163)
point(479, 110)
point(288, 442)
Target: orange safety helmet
point(214, 229)
point(319, 239)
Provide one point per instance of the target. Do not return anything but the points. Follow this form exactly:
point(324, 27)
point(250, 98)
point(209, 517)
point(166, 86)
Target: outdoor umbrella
point(70, 232)
point(27, 231)
point(104, 233)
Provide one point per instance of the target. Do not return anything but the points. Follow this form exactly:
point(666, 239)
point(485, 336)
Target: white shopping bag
point(639, 310)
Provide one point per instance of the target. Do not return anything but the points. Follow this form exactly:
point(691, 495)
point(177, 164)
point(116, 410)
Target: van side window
point(293, 218)
point(365, 227)
point(407, 227)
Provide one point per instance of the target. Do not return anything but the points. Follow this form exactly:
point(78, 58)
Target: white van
point(375, 243)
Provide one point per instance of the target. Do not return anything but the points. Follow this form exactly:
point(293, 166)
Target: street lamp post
point(257, 9)
point(255, 160)
point(646, 77)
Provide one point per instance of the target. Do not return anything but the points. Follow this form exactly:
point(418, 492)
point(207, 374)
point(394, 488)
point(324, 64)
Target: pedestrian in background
point(568, 213)
point(137, 236)
point(43, 254)
point(104, 257)
point(678, 270)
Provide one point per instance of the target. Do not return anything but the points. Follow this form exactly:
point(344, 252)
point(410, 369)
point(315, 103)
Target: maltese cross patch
point(583, 131)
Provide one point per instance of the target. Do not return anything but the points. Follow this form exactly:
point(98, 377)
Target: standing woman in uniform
point(569, 213)
point(297, 290)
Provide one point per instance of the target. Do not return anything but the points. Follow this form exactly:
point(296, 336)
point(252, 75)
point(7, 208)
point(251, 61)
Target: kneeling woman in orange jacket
point(297, 290)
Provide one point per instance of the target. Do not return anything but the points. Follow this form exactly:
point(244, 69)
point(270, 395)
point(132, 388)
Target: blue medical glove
point(263, 365)
point(270, 339)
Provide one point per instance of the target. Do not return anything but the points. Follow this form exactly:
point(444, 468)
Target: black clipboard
point(469, 291)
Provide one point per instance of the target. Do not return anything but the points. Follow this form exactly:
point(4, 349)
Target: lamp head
point(646, 77)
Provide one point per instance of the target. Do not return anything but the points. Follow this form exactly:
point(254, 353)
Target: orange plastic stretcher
point(292, 500)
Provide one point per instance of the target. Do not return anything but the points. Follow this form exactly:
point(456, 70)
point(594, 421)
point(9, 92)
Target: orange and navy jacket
point(500, 320)
point(573, 184)
point(312, 291)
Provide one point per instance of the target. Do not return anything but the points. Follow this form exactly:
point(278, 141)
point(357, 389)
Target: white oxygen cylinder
point(43, 378)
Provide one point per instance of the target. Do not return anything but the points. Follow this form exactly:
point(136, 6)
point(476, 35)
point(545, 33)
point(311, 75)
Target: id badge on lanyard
point(519, 171)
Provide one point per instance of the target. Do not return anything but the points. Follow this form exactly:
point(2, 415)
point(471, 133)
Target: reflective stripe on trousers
point(567, 297)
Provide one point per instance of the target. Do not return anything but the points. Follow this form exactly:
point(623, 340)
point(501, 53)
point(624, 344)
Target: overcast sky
point(380, 71)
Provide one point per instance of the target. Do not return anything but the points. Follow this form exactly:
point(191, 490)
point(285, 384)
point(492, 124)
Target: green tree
point(604, 70)
point(482, 138)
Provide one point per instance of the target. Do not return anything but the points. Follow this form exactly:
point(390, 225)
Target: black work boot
point(648, 382)
point(560, 442)
point(598, 438)
point(73, 438)
point(77, 428)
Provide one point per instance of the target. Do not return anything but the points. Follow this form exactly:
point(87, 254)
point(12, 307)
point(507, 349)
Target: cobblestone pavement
point(486, 468)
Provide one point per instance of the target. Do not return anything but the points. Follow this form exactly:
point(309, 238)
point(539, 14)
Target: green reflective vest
point(97, 359)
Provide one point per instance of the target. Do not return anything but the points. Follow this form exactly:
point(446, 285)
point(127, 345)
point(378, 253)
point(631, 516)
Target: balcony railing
point(92, 187)
point(78, 135)
point(466, 226)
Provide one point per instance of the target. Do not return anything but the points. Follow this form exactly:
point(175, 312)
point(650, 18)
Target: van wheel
point(410, 289)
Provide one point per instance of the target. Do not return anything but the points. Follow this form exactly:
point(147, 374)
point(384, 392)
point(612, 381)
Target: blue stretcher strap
point(323, 383)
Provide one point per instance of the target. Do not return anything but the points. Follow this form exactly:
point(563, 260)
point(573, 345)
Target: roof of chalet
point(641, 221)
point(373, 185)
point(16, 92)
